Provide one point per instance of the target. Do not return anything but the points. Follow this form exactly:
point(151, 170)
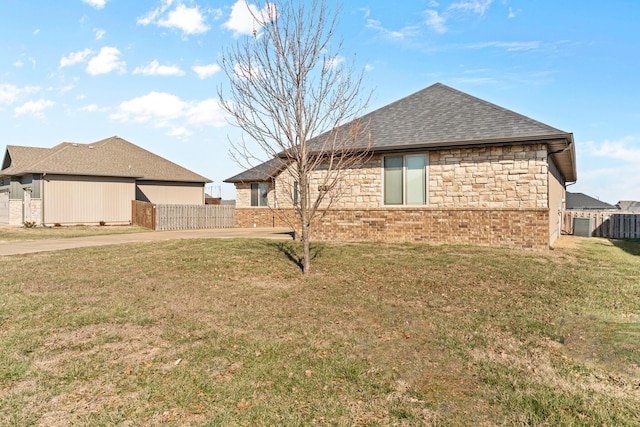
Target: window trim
point(404, 203)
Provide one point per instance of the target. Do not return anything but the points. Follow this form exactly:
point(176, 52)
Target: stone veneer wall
point(509, 176)
point(514, 228)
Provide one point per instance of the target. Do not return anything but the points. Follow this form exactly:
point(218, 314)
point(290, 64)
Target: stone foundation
point(513, 228)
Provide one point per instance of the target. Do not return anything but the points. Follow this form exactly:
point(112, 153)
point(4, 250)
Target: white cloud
point(106, 61)
point(626, 149)
point(10, 93)
point(509, 46)
point(369, 67)
point(187, 19)
point(34, 108)
point(513, 13)
point(206, 113)
point(206, 71)
point(180, 133)
point(164, 110)
point(36, 31)
point(18, 64)
point(99, 33)
point(190, 20)
point(335, 61)
point(243, 19)
point(75, 57)
point(152, 16)
point(160, 106)
point(475, 6)
point(155, 69)
point(98, 4)
point(92, 108)
point(433, 3)
point(65, 89)
point(398, 35)
point(610, 169)
point(435, 21)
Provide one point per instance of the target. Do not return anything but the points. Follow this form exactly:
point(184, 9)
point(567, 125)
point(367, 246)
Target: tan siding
point(172, 193)
point(557, 197)
point(87, 200)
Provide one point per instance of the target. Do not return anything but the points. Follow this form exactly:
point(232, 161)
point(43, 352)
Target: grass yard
point(10, 233)
point(228, 332)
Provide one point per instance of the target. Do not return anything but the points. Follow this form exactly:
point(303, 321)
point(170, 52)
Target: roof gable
point(109, 157)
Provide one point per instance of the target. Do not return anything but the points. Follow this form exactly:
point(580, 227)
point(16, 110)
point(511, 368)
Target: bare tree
point(297, 100)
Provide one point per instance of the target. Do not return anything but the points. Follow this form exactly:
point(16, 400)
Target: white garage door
point(4, 208)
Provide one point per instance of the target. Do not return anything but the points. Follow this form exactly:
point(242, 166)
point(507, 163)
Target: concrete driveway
point(32, 246)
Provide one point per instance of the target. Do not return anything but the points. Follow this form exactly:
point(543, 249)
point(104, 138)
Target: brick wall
point(260, 217)
point(515, 228)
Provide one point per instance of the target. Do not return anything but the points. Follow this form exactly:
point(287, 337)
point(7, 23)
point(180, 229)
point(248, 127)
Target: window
point(405, 180)
point(259, 193)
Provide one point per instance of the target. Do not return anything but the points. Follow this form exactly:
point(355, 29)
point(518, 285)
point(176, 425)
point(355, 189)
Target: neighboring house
point(89, 183)
point(446, 167)
point(580, 201)
point(628, 206)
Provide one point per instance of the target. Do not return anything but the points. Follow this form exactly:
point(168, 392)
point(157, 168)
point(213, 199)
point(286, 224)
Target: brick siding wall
point(513, 228)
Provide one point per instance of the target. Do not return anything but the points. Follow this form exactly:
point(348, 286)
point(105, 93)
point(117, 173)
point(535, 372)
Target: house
point(446, 167)
point(580, 201)
point(628, 206)
point(89, 183)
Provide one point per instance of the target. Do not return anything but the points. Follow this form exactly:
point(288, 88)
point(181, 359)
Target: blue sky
point(147, 71)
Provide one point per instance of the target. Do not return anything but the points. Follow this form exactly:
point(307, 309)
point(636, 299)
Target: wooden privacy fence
point(181, 217)
point(611, 224)
point(143, 214)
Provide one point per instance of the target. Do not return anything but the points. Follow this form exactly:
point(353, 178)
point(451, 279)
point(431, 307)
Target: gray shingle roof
point(442, 117)
point(109, 157)
point(263, 172)
point(582, 201)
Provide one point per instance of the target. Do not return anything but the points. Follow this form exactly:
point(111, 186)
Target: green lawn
point(228, 332)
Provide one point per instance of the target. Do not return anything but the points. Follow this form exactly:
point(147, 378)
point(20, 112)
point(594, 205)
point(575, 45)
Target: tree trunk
point(304, 223)
point(306, 259)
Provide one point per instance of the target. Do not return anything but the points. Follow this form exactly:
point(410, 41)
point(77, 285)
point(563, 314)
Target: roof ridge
point(117, 138)
point(54, 150)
